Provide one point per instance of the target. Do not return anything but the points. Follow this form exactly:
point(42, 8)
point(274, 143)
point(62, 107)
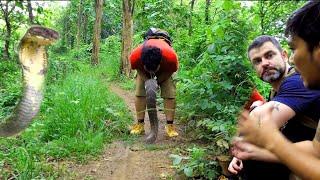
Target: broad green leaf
point(188, 171)
point(176, 159)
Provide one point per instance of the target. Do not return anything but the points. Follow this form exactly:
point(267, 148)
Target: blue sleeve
point(293, 94)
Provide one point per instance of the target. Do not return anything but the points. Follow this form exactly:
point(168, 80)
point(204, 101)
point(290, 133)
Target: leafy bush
point(110, 56)
point(218, 85)
point(196, 163)
point(10, 87)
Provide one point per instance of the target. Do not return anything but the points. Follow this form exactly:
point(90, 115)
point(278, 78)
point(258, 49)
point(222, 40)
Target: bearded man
point(296, 111)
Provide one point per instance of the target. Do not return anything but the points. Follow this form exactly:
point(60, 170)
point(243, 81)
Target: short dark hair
point(151, 57)
point(305, 23)
point(260, 40)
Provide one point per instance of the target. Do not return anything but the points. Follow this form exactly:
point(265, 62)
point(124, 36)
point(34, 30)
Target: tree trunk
point(190, 19)
point(85, 35)
point(31, 17)
point(97, 32)
point(6, 54)
point(127, 33)
point(6, 13)
point(79, 23)
point(208, 2)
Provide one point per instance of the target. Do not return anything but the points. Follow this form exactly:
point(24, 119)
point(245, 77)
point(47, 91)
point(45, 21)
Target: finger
point(237, 168)
point(231, 169)
point(243, 155)
point(244, 146)
point(239, 162)
point(234, 152)
point(236, 139)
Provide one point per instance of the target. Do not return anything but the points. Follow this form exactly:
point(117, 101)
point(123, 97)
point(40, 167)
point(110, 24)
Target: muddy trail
point(137, 160)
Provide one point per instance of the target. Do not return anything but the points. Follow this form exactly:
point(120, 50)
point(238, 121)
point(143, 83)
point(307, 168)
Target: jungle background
point(79, 115)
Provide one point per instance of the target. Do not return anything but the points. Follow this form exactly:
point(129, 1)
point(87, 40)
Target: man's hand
point(256, 130)
point(256, 104)
point(235, 166)
point(246, 151)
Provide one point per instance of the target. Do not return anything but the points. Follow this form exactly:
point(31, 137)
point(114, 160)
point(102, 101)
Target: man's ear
point(284, 55)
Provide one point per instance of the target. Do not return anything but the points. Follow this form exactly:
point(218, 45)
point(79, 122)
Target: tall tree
point(191, 13)
point(80, 22)
point(208, 2)
point(273, 15)
point(97, 32)
point(31, 17)
point(127, 33)
point(6, 11)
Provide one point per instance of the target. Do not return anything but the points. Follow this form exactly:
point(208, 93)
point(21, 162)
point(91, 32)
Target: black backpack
point(156, 33)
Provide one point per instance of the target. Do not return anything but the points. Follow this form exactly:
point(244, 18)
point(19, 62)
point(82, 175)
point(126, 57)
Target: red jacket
point(169, 61)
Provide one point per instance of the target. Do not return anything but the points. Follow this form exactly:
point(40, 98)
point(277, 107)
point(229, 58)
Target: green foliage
point(196, 164)
point(60, 66)
point(10, 87)
point(151, 14)
point(271, 16)
point(217, 85)
point(110, 56)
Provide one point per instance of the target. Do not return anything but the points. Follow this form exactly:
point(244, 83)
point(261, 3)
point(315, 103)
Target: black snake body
point(33, 59)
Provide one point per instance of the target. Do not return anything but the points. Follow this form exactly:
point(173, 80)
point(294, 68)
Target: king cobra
point(33, 60)
point(151, 87)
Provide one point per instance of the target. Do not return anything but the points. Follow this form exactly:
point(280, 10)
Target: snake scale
point(151, 87)
point(33, 59)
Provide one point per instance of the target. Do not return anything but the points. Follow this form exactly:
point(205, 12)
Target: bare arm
point(269, 113)
point(246, 151)
point(302, 163)
point(273, 112)
point(299, 157)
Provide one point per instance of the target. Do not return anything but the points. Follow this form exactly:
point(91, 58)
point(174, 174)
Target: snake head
point(44, 32)
point(40, 35)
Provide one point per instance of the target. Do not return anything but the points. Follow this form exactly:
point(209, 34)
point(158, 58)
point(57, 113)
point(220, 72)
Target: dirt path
point(122, 161)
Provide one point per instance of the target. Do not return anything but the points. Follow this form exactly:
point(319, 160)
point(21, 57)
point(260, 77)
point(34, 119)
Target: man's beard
point(269, 78)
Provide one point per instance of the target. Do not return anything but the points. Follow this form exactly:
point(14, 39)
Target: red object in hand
point(255, 96)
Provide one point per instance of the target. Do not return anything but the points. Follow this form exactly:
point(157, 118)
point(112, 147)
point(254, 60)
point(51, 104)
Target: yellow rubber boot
point(171, 130)
point(137, 128)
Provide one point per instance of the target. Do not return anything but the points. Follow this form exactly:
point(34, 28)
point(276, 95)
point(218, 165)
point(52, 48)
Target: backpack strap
point(156, 33)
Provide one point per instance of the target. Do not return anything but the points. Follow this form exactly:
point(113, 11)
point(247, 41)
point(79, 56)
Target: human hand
point(246, 151)
point(256, 104)
point(255, 130)
point(235, 166)
point(242, 150)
